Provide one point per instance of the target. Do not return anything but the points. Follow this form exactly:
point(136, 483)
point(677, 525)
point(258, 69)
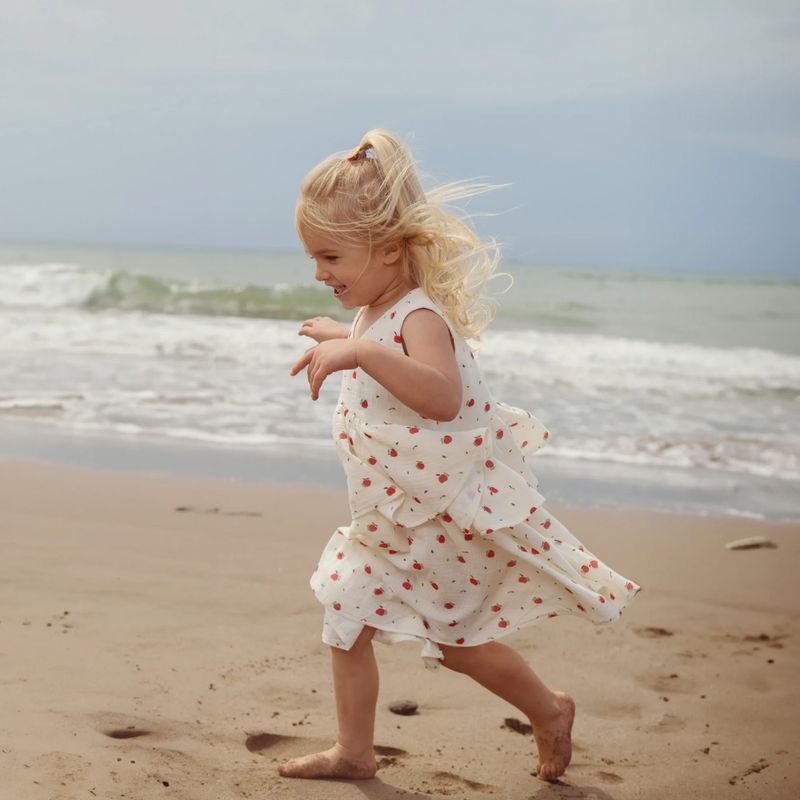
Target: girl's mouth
point(338, 290)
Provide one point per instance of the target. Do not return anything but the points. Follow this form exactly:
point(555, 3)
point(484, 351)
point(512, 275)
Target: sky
point(629, 133)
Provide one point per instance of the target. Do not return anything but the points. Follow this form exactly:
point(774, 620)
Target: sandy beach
point(158, 639)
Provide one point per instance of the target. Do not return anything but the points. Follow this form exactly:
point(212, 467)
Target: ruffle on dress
point(477, 478)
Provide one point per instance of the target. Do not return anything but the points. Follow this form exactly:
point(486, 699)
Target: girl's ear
point(392, 251)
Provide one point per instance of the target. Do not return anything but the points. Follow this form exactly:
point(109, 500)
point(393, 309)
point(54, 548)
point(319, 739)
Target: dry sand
point(158, 639)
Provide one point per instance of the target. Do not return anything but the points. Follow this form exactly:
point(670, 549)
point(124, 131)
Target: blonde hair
point(376, 197)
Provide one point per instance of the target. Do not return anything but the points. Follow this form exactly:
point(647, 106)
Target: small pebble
point(404, 707)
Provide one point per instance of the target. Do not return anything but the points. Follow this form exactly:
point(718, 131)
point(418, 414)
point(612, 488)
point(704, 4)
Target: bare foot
point(337, 762)
point(553, 738)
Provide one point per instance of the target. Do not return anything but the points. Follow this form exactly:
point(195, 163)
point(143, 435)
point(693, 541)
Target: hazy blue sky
point(633, 133)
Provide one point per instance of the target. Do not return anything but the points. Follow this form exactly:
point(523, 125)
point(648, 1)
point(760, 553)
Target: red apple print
point(380, 611)
point(511, 563)
point(487, 406)
point(448, 604)
point(372, 460)
point(342, 435)
point(420, 465)
point(537, 600)
point(372, 527)
point(496, 607)
point(546, 435)
point(383, 544)
point(489, 463)
point(447, 518)
point(581, 548)
point(417, 565)
point(425, 623)
point(440, 538)
point(460, 641)
point(553, 614)
point(392, 452)
point(392, 552)
point(581, 607)
point(487, 509)
point(470, 403)
point(629, 585)
point(443, 477)
point(346, 411)
point(611, 596)
point(406, 584)
point(377, 591)
point(523, 579)
point(493, 490)
point(557, 540)
point(390, 490)
point(461, 559)
point(503, 623)
point(367, 435)
point(584, 568)
point(391, 316)
point(409, 540)
point(468, 536)
point(473, 580)
point(545, 545)
point(366, 482)
point(546, 524)
point(335, 576)
point(452, 624)
point(337, 606)
point(368, 569)
point(533, 509)
point(364, 404)
point(477, 441)
point(398, 339)
point(340, 555)
point(350, 440)
point(500, 434)
point(447, 439)
point(489, 530)
point(525, 443)
point(435, 585)
point(569, 590)
point(413, 430)
point(354, 373)
point(601, 598)
point(490, 554)
point(417, 500)
point(594, 563)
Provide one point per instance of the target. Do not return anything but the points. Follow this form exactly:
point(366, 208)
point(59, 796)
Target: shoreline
point(598, 485)
point(161, 629)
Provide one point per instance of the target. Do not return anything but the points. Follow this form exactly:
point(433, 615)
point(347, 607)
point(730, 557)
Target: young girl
point(450, 543)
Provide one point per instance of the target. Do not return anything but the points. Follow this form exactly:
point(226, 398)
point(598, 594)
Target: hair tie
point(361, 152)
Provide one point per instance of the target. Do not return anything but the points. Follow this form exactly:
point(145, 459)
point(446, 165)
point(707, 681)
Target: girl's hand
point(325, 358)
point(321, 329)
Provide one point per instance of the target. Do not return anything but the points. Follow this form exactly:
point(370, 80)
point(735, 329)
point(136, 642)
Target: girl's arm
point(427, 380)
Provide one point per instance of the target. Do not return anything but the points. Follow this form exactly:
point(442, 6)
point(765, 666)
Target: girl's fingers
point(304, 359)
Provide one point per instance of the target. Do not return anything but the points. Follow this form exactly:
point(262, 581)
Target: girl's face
point(356, 276)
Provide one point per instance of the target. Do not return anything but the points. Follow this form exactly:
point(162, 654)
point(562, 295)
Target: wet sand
point(158, 638)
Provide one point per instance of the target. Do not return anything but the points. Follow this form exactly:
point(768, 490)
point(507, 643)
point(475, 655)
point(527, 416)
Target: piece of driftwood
point(750, 543)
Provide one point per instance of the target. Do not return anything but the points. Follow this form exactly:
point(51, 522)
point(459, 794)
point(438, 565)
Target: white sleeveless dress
point(450, 541)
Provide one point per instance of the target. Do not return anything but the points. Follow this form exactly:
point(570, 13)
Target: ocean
point(670, 390)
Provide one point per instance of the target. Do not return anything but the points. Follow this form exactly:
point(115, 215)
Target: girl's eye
point(332, 258)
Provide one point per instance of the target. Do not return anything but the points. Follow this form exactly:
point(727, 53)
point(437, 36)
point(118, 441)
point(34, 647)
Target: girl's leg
point(503, 671)
point(355, 681)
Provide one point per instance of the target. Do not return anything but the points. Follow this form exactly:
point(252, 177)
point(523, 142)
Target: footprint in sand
point(610, 777)
point(257, 742)
point(447, 783)
point(671, 682)
point(651, 632)
point(216, 510)
point(667, 724)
